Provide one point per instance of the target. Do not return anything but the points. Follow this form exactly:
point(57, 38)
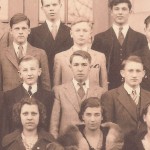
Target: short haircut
point(27, 58)
point(82, 19)
point(145, 111)
point(19, 17)
point(81, 53)
point(116, 2)
point(43, 2)
point(90, 102)
point(147, 21)
point(29, 101)
point(132, 58)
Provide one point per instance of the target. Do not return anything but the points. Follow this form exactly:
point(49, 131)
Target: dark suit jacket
point(120, 109)
point(9, 77)
point(13, 96)
point(41, 37)
point(106, 42)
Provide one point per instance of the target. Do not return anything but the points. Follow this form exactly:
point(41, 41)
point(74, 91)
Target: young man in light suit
point(69, 96)
point(119, 41)
point(53, 36)
point(124, 104)
point(10, 56)
point(81, 31)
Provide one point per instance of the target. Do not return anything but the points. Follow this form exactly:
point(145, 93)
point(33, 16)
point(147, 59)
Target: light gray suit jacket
point(9, 77)
point(67, 105)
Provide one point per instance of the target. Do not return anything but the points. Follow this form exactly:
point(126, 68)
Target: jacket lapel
point(72, 96)
point(11, 55)
point(125, 100)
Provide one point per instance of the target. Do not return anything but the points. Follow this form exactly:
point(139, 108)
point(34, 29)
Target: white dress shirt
point(50, 24)
point(34, 87)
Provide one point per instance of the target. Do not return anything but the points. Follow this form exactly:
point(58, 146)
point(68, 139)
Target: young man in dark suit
point(53, 36)
point(29, 71)
point(10, 56)
point(124, 104)
point(119, 41)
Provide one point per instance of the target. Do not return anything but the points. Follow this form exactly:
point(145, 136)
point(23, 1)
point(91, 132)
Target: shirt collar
point(34, 87)
point(85, 87)
point(49, 23)
point(17, 50)
point(85, 48)
point(129, 89)
point(124, 30)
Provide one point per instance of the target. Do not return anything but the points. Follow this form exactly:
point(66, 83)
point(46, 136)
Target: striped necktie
point(120, 36)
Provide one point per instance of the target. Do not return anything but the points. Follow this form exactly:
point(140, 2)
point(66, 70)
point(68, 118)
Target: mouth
point(52, 14)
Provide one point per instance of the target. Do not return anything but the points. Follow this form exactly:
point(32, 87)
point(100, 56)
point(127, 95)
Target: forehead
point(79, 59)
point(93, 110)
point(29, 63)
point(85, 25)
point(20, 24)
point(133, 65)
point(29, 108)
point(121, 5)
point(50, 1)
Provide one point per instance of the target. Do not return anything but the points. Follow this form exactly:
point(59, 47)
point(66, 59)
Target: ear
point(39, 71)
point(19, 74)
point(144, 118)
point(143, 73)
point(10, 31)
point(122, 73)
point(29, 30)
point(71, 33)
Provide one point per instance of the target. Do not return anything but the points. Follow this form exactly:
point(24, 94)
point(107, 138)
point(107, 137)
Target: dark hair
point(147, 21)
point(81, 53)
point(90, 102)
point(27, 58)
point(19, 17)
point(144, 111)
point(30, 101)
point(43, 3)
point(132, 58)
point(116, 2)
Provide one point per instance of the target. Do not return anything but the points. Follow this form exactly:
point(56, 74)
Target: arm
point(45, 76)
point(57, 71)
point(56, 114)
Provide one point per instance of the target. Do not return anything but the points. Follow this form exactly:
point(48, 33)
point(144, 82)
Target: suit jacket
point(41, 37)
point(67, 105)
point(63, 73)
point(13, 96)
point(120, 109)
point(106, 42)
point(9, 77)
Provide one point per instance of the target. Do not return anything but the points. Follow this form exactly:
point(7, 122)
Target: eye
point(34, 113)
point(25, 113)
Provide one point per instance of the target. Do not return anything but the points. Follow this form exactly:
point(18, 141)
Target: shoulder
point(104, 33)
point(98, 54)
point(62, 25)
point(136, 33)
point(61, 54)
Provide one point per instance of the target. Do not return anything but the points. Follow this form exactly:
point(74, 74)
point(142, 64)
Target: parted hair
point(30, 101)
point(90, 102)
point(19, 17)
point(116, 2)
point(81, 53)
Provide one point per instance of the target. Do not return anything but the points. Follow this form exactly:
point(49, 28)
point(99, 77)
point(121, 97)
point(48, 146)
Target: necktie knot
point(20, 52)
point(29, 90)
point(120, 28)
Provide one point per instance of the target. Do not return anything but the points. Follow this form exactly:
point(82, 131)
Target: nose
point(134, 74)
point(29, 72)
point(20, 31)
point(92, 118)
point(29, 117)
point(80, 68)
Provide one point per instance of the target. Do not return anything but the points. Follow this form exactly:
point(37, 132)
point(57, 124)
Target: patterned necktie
point(81, 91)
point(120, 36)
point(29, 90)
point(54, 30)
point(134, 96)
point(20, 52)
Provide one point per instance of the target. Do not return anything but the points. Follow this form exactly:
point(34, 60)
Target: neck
point(92, 132)
point(82, 47)
point(28, 133)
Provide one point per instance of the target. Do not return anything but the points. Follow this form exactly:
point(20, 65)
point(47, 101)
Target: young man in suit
point(68, 96)
point(9, 57)
point(124, 104)
point(81, 31)
point(29, 71)
point(119, 41)
point(53, 36)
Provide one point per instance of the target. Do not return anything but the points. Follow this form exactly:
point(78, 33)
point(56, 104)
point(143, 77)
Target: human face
point(81, 33)
point(120, 14)
point(29, 117)
point(92, 118)
point(146, 118)
point(29, 71)
point(133, 73)
point(80, 68)
point(20, 32)
point(51, 9)
point(147, 32)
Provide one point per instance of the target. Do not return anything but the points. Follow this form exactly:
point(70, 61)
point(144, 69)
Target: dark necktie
point(20, 52)
point(29, 90)
point(81, 91)
point(120, 36)
point(54, 30)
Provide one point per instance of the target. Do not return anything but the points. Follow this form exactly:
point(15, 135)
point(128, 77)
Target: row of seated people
point(109, 48)
point(123, 105)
